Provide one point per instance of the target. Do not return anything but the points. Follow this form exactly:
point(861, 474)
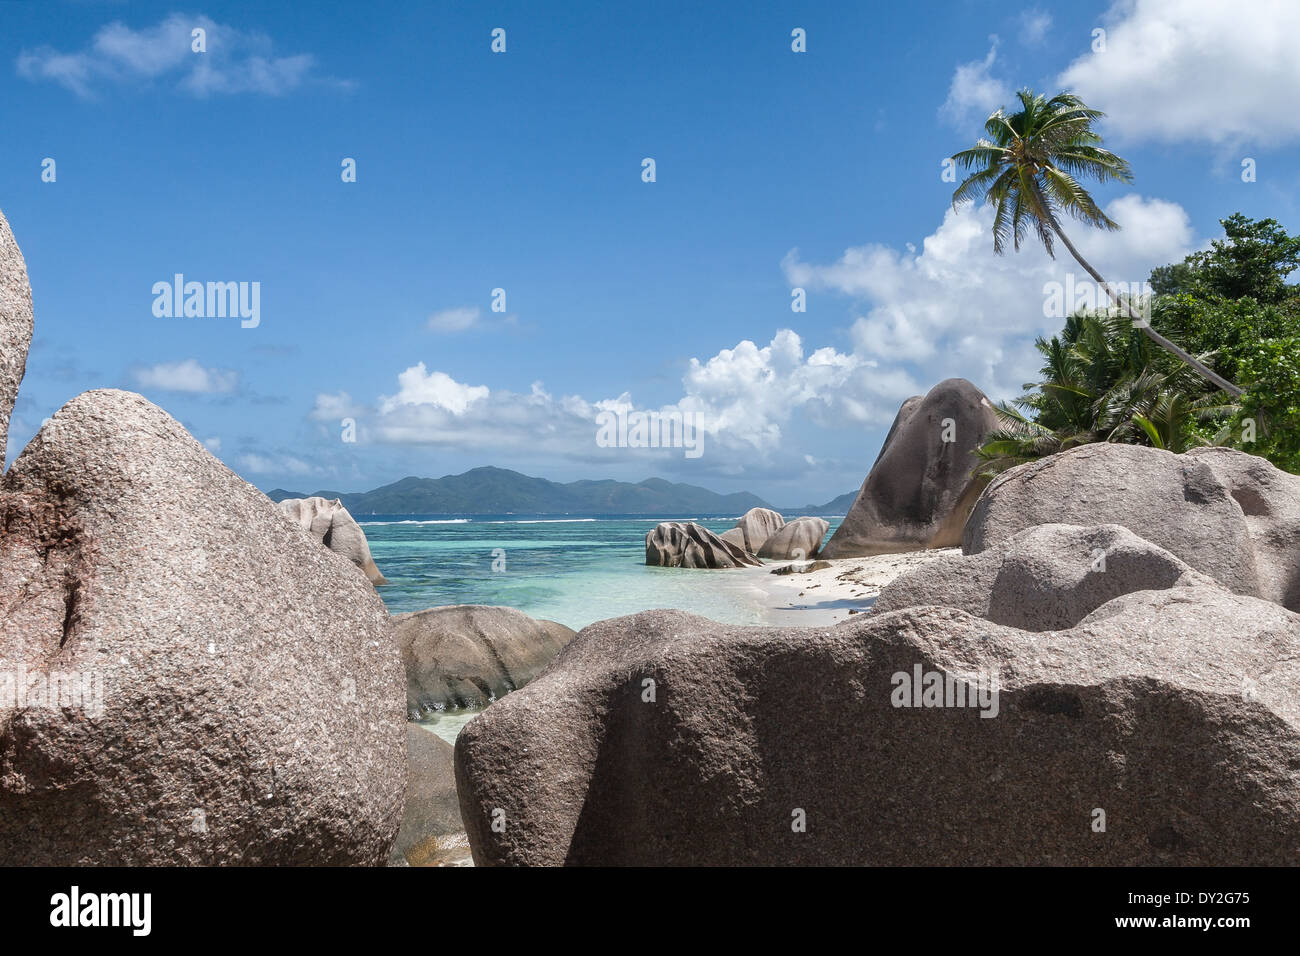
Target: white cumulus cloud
point(417, 386)
point(951, 308)
point(742, 398)
point(955, 308)
point(1196, 71)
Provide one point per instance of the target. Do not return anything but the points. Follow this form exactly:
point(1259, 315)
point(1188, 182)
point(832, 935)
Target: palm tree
point(1100, 382)
point(1029, 168)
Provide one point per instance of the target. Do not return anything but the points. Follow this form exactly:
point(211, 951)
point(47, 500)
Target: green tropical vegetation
point(1102, 380)
point(1215, 359)
point(1029, 168)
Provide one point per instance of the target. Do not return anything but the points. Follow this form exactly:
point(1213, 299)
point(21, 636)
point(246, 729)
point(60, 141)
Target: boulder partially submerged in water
point(800, 539)
point(1164, 728)
point(1048, 577)
point(333, 526)
point(203, 683)
point(922, 485)
point(467, 655)
point(754, 528)
point(685, 544)
point(735, 536)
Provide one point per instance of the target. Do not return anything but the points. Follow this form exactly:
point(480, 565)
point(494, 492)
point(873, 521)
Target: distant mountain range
point(491, 490)
point(836, 506)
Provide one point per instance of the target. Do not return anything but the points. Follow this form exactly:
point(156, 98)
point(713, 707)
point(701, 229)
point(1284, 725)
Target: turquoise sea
point(574, 569)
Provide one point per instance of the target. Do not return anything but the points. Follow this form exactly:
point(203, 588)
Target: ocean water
point(572, 569)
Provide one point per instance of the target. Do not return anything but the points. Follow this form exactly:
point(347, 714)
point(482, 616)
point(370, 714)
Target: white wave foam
point(547, 521)
point(413, 521)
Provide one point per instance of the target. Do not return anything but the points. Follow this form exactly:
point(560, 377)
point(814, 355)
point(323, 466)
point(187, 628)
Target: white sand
point(826, 596)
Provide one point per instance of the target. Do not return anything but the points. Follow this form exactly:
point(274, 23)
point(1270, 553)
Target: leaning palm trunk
point(1029, 168)
point(1204, 371)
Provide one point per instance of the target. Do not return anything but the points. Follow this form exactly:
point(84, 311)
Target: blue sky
point(522, 171)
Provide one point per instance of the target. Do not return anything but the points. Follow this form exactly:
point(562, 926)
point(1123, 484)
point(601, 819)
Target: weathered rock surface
point(228, 692)
point(685, 544)
point(333, 526)
point(431, 831)
point(755, 527)
point(468, 655)
point(734, 536)
point(920, 489)
point(799, 539)
point(1176, 713)
point(804, 568)
point(1174, 501)
point(1048, 577)
point(1270, 500)
point(15, 326)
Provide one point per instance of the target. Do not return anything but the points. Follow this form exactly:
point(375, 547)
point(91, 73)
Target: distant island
point(490, 490)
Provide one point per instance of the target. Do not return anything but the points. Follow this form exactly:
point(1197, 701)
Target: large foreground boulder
point(1048, 577)
point(468, 655)
point(333, 526)
point(754, 528)
point(1163, 729)
point(15, 326)
point(800, 539)
point(1175, 501)
point(431, 831)
point(921, 487)
point(685, 544)
point(198, 681)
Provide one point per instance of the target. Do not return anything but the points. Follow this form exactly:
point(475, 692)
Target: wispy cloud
point(466, 317)
point(974, 91)
point(275, 464)
point(233, 61)
point(1034, 24)
point(454, 320)
point(185, 376)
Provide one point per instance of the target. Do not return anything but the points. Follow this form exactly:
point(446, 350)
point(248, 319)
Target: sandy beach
point(829, 595)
